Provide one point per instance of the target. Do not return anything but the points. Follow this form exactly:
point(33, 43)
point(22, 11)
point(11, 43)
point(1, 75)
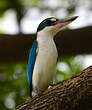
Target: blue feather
point(31, 62)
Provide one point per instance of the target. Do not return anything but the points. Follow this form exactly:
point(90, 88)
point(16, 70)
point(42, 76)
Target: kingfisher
point(43, 55)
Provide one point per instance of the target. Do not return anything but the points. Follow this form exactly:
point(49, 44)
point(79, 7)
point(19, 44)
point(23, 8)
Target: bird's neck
point(44, 38)
point(44, 35)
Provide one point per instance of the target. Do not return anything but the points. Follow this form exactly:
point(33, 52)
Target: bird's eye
point(51, 21)
point(48, 22)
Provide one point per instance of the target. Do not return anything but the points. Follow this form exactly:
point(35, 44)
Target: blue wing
point(31, 62)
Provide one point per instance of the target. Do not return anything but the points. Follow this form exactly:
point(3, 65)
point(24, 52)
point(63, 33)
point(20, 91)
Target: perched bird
point(43, 55)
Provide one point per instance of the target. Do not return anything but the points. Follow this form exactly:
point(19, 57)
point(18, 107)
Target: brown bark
point(72, 94)
point(69, 43)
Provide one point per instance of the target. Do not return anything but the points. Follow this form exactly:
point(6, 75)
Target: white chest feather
point(45, 65)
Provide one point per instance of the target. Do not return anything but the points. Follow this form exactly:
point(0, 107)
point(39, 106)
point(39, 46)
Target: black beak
point(64, 22)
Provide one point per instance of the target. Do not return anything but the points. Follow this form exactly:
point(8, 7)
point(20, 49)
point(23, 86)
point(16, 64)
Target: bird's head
point(51, 26)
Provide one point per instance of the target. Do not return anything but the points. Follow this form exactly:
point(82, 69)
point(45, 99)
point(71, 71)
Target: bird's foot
point(37, 92)
point(51, 85)
point(40, 93)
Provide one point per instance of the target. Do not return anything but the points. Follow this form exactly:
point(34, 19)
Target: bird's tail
point(30, 92)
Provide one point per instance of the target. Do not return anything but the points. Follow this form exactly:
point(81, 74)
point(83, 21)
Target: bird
point(43, 55)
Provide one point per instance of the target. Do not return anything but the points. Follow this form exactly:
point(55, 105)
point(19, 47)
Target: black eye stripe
point(48, 22)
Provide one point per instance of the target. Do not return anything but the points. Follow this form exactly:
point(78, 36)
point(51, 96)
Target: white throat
point(43, 34)
point(47, 32)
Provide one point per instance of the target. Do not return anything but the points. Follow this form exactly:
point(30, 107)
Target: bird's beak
point(62, 23)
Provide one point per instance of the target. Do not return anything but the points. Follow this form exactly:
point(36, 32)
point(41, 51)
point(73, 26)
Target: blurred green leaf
point(34, 2)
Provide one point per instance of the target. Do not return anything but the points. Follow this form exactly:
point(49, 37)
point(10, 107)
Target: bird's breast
point(45, 65)
point(47, 53)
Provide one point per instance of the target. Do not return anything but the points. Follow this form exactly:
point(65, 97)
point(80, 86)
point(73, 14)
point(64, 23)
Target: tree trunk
point(72, 94)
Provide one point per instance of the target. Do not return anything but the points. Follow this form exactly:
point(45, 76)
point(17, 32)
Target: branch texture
point(72, 94)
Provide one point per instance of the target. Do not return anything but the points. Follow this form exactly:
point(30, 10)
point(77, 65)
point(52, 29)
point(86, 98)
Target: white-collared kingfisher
point(43, 55)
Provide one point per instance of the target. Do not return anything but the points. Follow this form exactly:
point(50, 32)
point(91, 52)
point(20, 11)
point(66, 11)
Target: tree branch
point(69, 43)
point(72, 94)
